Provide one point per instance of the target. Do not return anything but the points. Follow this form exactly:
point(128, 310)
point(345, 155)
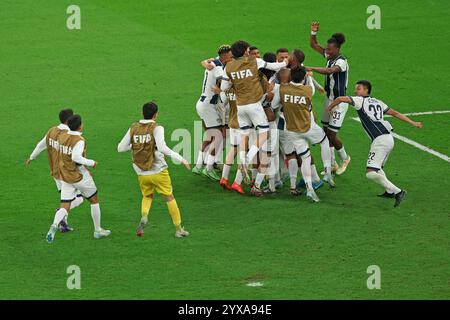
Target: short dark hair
point(270, 57)
point(74, 122)
point(298, 74)
point(65, 114)
point(299, 55)
point(149, 110)
point(225, 48)
point(337, 39)
point(253, 48)
point(282, 50)
point(366, 84)
point(239, 47)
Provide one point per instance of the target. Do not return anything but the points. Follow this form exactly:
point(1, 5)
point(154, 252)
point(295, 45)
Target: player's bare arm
point(334, 69)
point(402, 117)
point(207, 64)
point(313, 38)
point(337, 101)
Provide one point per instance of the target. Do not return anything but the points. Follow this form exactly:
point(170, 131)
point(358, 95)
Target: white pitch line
point(416, 144)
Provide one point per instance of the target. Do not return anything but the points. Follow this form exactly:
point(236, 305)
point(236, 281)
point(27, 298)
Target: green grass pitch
point(128, 52)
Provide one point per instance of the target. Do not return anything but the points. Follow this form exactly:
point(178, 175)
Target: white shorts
point(235, 137)
point(58, 184)
point(252, 115)
point(285, 143)
point(209, 113)
point(301, 140)
point(334, 120)
point(272, 143)
point(379, 152)
point(86, 187)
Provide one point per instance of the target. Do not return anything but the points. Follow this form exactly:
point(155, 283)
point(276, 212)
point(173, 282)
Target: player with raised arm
point(75, 177)
point(210, 113)
point(371, 112)
point(336, 81)
point(243, 74)
point(146, 141)
point(49, 143)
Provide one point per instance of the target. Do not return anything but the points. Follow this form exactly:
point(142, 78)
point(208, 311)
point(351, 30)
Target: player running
point(146, 141)
point(371, 112)
point(336, 82)
point(211, 115)
point(47, 143)
point(71, 148)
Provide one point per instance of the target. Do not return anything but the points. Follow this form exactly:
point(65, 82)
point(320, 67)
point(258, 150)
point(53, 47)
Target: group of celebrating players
point(264, 108)
point(267, 106)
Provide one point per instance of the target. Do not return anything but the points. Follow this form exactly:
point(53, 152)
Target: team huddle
point(263, 107)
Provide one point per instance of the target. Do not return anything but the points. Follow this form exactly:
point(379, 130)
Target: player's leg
point(261, 124)
point(262, 169)
point(379, 151)
point(68, 194)
point(64, 224)
point(163, 185)
point(214, 134)
point(229, 160)
point(336, 121)
point(89, 191)
point(302, 149)
point(147, 190)
point(316, 135)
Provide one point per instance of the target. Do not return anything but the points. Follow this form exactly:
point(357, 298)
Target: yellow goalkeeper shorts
point(160, 182)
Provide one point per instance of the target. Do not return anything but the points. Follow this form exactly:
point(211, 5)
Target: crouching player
point(146, 141)
point(75, 177)
point(371, 112)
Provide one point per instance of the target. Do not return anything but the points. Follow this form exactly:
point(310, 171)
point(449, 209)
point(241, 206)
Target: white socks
point(293, 170)
point(199, 163)
point(342, 154)
point(226, 171)
point(60, 214)
point(382, 180)
point(75, 203)
point(210, 162)
point(314, 174)
point(259, 179)
point(333, 157)
point(325, 152)
point(95, 213)
point(239, 177)
point(306, 171)
point(252, 153)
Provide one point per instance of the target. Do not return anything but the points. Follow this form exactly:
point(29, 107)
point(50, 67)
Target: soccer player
point(230, 97)
point(48, 143)
point(295, 99)
point(254, 51)
point(242, 73)
point(208, 110)
point(146, 141)
point(282, 54)
point(336, 82)
point(71, 148)
point(371, 112)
